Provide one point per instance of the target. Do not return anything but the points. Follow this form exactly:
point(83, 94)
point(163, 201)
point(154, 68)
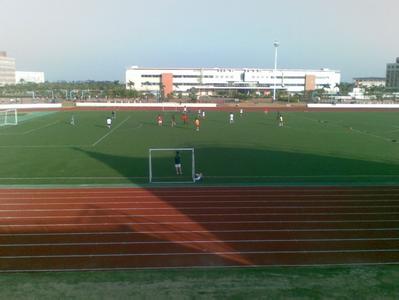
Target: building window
point(150, 76)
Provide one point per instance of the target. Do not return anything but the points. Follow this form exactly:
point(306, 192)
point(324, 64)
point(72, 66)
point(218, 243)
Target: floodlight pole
point(275, 44)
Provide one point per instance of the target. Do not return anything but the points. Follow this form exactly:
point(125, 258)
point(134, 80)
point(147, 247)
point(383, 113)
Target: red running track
point(91, 229)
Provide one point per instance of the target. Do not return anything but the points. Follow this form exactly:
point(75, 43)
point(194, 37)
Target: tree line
point(75, 90)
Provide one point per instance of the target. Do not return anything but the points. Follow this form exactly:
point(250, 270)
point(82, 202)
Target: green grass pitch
point(312, 147)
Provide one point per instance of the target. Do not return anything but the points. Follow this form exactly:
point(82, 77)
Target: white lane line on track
point(309, 240)
point(124, 233)
point(172, 197)
point(197, 208)
point(201, 231)
point(219, 253)
point(108, 133)
point(194, 208)
point(196, 224)
point(25, 204)
point(199, 215)
point(194, 190)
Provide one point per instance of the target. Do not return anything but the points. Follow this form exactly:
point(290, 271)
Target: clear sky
point(99, 39)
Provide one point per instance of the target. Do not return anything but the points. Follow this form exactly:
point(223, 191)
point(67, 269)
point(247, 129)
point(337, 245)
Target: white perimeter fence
point(353, 105)
point(31, 106)
point(155, 105)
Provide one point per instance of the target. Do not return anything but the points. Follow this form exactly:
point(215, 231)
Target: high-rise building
point(393, 75)
point(7, 69)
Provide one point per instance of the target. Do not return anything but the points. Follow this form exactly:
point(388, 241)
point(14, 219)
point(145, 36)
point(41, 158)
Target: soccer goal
point(8, 117)
point(162, 165)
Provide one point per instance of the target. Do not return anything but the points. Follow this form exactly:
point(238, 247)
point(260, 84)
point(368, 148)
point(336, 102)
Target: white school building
point(31, 77)
point(208, 80)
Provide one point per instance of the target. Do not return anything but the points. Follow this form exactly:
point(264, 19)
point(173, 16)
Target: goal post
point(8, 117)
point(161, 165)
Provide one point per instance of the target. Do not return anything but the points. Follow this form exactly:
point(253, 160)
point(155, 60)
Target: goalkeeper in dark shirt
point(178, 163)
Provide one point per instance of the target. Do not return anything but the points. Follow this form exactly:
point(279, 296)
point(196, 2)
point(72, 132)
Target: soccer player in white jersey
point(231, 118)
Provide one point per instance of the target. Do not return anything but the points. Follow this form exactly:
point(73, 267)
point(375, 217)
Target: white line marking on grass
point(41, 127)
point(32, 130)
point(208, 176)
point(9, 134)
point(41, 146)
point(355, 130)
point(219, 253)
point(371, 134)
point(337, 123)
point(134, 128)
point(304, 176)
point(210, 267)
point(189, 180)
point(268, 191)
point(322, 121)
point(392, 131)
point(111, 131)
point(68, 178)
point(308, 240)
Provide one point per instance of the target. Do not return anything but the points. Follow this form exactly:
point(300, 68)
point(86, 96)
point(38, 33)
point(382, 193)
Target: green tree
point(345, 88)
point(193, 94)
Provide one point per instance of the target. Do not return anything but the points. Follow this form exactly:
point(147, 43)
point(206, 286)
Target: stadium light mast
point(276, 44)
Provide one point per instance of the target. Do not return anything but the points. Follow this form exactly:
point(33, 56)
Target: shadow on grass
point(242, 165)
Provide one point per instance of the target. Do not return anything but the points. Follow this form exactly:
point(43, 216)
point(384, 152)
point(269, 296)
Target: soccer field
point(312, 147)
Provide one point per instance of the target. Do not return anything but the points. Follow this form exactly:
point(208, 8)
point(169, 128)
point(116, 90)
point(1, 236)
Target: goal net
point(162, 167)
point(8, 117)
